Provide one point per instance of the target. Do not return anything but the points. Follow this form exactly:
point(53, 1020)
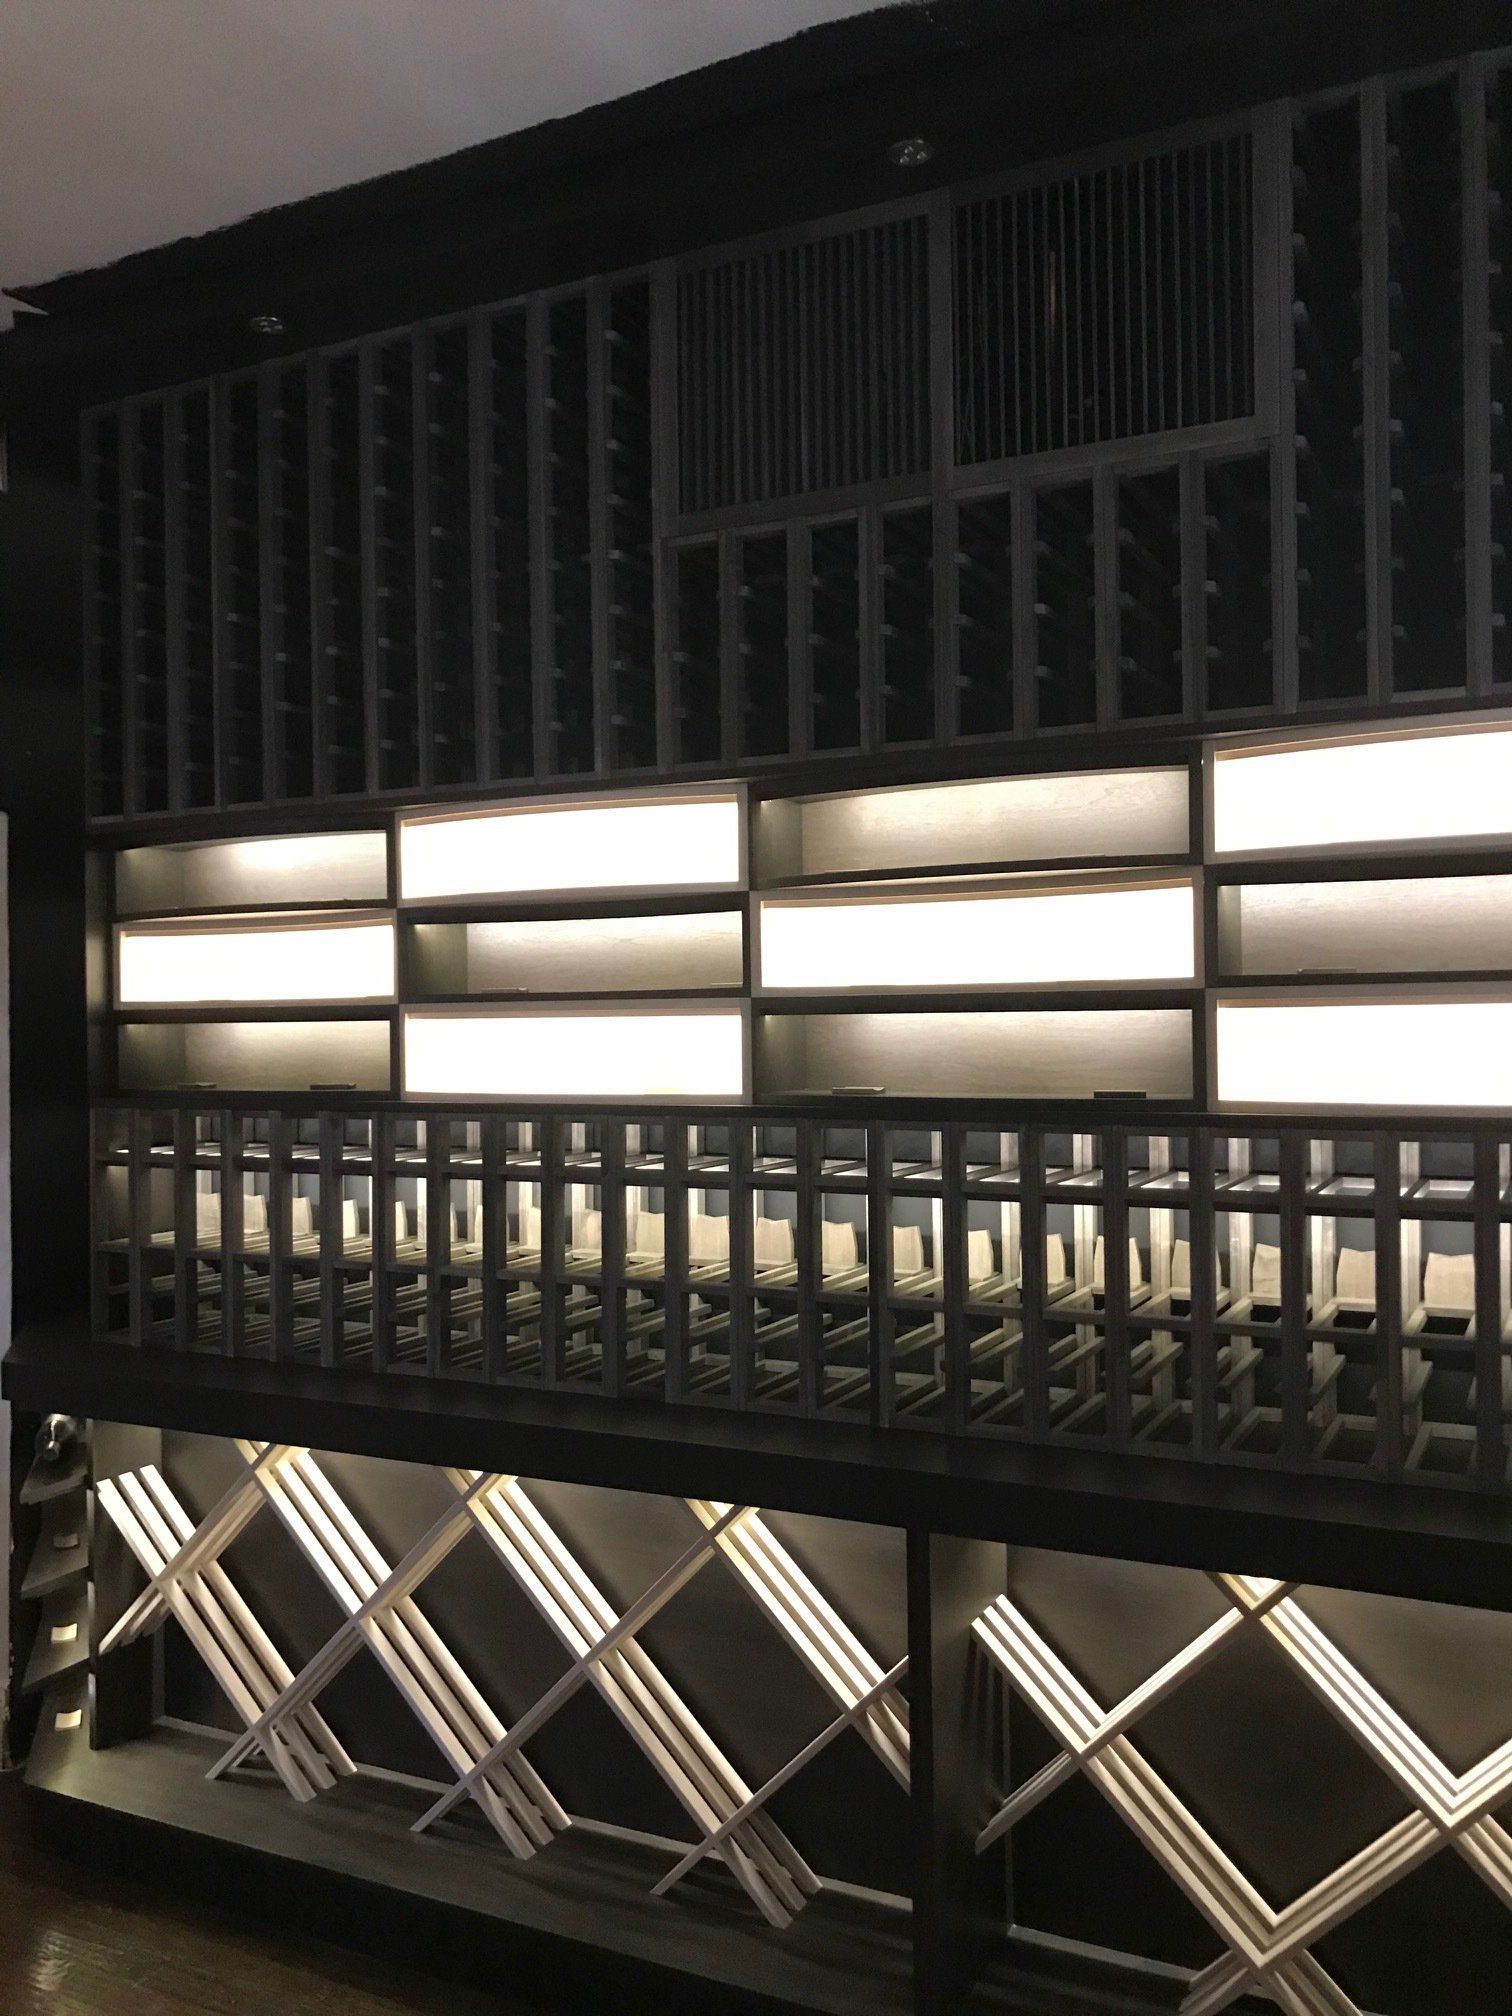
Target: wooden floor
point(77, 1943)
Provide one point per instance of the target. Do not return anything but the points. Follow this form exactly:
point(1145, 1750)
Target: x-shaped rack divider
point(1268, 1949)
point(277, 1706)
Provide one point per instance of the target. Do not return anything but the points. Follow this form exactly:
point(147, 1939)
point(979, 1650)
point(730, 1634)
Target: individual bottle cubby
point(985, 616)
point(104, 614)
point(696, 654)
point(147, 563)
point(1499, 412)
point(762, 646)
point(396, 653)
point(193, 565)
point(570, 534)
point(341, 738)
point(512, 722)
point(1065, 607)
point(240, 620)
point(293, 714)
point(631, 527)
point(1328, 377)
point(907, 626)
point(448, 558)
point(1427, 391)
point(1150, 657)
point(1238, 625)
point(833, 604)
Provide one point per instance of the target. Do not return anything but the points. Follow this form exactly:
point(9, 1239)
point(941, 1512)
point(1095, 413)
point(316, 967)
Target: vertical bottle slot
point(196, 599)
point(509, 523)
point(448, 558)
point(150, 611)
point(908, 626)
point(342, 707)
point(695, 656)
point(1499, 177)
point(835, 633)
point(1065, 609)
point(394, 524)
point(1149, 595)
point(571, 539)
point(1427, 388)
point(1237, 587)
point(984, 570)
point(763, 646)
point(1328, 376)
point(632, 631)
point(242, 597)
point(291, 600)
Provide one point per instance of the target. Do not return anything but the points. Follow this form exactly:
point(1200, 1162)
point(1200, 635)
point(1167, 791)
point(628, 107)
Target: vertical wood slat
point(879, 1271)
point(1191, 510)
point(1388, 1288)
point(1491, 1428)
point(438, 1230)
point(869, 586)
point(133, 795)
point(605, 750)
point(1295, 1378)
point(666, 461)
point(955, 1361)
point(1376, 387)
point(675, 1258)
point(381, 1239)
point(806, 1254)
point(1105, 592)
point(741, 1313)
point(731, 722)
point(1032, 1291)
point(323, 722)
point(174, 601)
point(482, 506)
point(494, 1248)
point(550, 1133)
point(421, 348)
point(1115, 1310)
point(280, 1200)
point(139, 1222)
point(367, 480)
point(185, 1223)
point(1202, 1342)
point(331, 1242)
point(612, 1256)
point(1475, 261)
point(233, 1218)
point(543, 685)
point(270, 620)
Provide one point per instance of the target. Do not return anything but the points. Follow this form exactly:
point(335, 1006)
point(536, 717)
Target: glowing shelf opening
point(1391, 790)
point(1090, 936)
point(277, 962)
point(1367, 1053)
point(666, 843)
point(586, 1055)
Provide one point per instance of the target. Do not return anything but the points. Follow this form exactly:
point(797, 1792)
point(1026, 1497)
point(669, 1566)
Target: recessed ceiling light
point(268, 325)
point(911, 153)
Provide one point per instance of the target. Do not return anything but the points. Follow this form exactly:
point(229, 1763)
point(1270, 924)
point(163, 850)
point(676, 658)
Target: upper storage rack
point(1206, 429)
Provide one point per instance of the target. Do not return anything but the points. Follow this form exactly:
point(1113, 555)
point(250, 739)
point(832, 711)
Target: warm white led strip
point(616, 1055)
point(1380, 792)
point(1093, 936)
point(267, 962)
point(672, 843)
point(1365, 1053)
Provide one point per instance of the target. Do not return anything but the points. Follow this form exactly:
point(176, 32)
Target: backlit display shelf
point(1442, 1054)
point(269, 960)
point(691, 1051)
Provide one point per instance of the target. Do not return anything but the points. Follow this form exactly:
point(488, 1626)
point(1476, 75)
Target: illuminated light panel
point(1379, 793)
point(613, 1056)
point(676, 843)
point(1086, 935)
point(290, 962)
point(1368, 1053)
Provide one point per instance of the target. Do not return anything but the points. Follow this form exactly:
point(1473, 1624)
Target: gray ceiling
point(127, 123)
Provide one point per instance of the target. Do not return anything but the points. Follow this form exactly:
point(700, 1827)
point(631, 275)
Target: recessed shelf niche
point(690, 1051)
point(1441, 1053)
point(270, 960)
point(987, 1054)
point(255, 1056)
point(1442, 923)
point(965, 936)
point(309, 868)
point(654, 841)
point(676, 952)
point(1070, 816)
point(1364, 793)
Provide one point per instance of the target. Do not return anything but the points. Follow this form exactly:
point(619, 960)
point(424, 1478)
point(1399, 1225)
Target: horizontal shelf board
point(1113, 864)
point(840, 1956)
point(1443, 1545)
